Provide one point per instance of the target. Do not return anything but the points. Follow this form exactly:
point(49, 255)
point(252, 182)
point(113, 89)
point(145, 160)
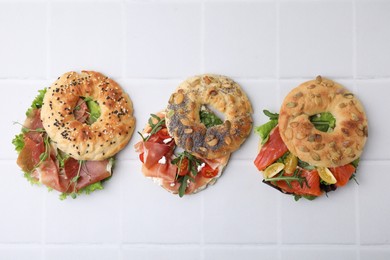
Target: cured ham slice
point(81, 112)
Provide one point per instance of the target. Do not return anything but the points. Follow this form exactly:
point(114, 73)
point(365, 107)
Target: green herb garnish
point(193, 164)
point(324, 122)
point(297, 176)
point(155, 126)
point(94, 110)
point(208, 118)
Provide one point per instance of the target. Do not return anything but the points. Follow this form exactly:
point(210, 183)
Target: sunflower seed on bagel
point(103, 138)
point(323, 149)
point(220, 93)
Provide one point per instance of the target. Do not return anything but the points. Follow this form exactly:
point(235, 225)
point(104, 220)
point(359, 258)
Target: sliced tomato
point(272, 150)
point(141, 157)
point(183, 168)
point(208, 172)
point(163, 134)
point(343, 174)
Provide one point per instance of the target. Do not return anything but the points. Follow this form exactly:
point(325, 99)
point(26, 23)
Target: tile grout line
point(44, 199)
point(124, 38)
point(277, 72)
point(354, 73)
point(48, 20)
point(202, 66)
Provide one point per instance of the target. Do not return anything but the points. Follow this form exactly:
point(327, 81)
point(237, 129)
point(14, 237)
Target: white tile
point(374, 210)
point(76, 252)
point(19, 98)
point(375, 253)
point(242, 253)
point(240, 208)
point(372, 38)
point(22, 215)
point(93, 218)
point(240, 38)
point(23, 40)
point(321, 253)
point(316, 38)
point(153, 215)
point(85, 36)
point(374, 96)
point(19, 252)
point(322, 220)
point(163, 39)
point(161, 253)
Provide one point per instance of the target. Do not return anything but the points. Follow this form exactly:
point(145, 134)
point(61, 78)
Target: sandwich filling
point(180, 173)
point(287, 173)
point(42, 161)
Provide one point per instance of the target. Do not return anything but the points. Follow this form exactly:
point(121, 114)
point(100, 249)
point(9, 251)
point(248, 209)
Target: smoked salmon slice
point(310, 187)
point(272, 150)
point(343, 174)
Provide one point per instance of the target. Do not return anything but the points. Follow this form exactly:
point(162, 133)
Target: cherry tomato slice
point(163, 134)
point(183, 167)
point(208, 172)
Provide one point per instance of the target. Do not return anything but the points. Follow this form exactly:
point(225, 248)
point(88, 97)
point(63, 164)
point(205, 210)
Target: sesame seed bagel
point(103, 138)
point(339, 147)
point(224, 95)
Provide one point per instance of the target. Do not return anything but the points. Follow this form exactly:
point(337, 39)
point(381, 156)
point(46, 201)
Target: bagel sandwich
point(58, 145)
point(182, 172)
point(314, 144)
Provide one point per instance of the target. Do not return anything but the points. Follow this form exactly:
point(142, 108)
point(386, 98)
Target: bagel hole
point(210, 116)
point(86, 110)
point(324, 122)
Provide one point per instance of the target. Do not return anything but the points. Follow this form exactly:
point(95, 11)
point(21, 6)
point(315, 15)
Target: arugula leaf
point(272, 116)
point(308, 197)
point(355, 163)
point(324, 122)
point(155, 126)
point(94, 110)
point(305, 165)
point(209, 119)
point(37, 103)
point(183, 185)
point(18, 142)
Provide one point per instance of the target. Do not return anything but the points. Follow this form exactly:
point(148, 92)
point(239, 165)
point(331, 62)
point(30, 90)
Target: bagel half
point(314, 145)
point(102, 139)
point(222, 94)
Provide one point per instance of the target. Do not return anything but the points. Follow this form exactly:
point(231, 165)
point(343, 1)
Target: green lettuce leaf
point(18, 142)
point(324, 122)
point(38, 102)
point(94, 110)
point(264, 130)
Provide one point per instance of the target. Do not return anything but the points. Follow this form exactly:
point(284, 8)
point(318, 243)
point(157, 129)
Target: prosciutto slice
point(82, 112)
point(47, 171)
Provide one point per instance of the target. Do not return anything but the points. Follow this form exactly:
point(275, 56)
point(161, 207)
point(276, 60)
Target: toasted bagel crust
point(337, 148)
point(224, 95)
point(100, 140)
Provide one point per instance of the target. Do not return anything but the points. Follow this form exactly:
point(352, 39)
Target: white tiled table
point(149, 47)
